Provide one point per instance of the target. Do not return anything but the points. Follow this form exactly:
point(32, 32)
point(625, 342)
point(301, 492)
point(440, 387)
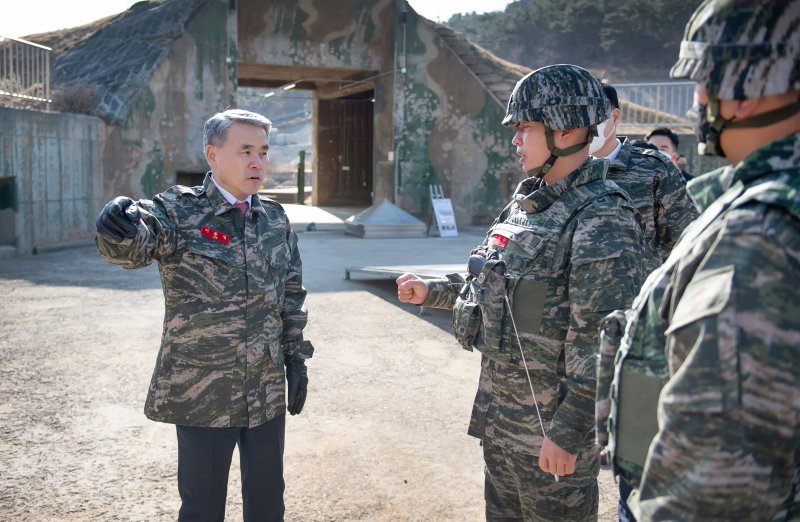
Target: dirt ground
point(382, 436)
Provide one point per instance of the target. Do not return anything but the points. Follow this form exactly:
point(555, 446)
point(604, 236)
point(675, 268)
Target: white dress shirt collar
point(613, 154)
point(230, 198)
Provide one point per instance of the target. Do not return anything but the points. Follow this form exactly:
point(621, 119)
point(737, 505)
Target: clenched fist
point(411, 289)
point(119, 219)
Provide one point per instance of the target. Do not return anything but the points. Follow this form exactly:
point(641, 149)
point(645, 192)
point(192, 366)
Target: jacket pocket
point(490, 293)
point(466, 322)
point(203, 355)
point(707, 294)
point(275, 250)
point(196, 384)
point(270, 278)
point(518, 244)
point(206, 268)
point(702, 346)
point(213, 250)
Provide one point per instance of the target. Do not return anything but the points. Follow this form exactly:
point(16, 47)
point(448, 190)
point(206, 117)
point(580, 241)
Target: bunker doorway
point(344, 149)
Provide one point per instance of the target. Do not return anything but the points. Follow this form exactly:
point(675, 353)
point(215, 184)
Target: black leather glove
point(119, 219)
point(297, 384)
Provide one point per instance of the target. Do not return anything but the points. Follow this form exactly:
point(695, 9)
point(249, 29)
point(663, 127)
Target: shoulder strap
point(773, 192)
point(587, 197)
point(268, 200)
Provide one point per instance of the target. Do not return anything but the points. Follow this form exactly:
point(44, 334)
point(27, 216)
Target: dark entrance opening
point(344, 143)
point(190, 179)
point(8, 209)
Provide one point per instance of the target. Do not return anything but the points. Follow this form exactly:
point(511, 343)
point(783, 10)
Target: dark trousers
point(204, 460)
point(623, 511)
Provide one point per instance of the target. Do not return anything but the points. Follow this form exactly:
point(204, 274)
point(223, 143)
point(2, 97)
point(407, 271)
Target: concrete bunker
point(341, 121)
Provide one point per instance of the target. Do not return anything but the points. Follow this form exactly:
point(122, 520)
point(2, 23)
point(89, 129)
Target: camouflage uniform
point(571, 250)
point(234, 305)
point(658, 191)
point(719, 319)
point(729, 425)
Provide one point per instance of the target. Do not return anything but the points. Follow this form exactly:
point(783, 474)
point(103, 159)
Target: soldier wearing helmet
point(718, 324)
point(558, 258)
point(658, 190)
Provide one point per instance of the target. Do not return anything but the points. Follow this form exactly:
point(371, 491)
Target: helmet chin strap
point(717, 123)
point(759, 120)
point(555, 152)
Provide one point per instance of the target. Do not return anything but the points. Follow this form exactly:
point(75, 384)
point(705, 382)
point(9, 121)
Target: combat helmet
point(562, 97)
point(742, 49)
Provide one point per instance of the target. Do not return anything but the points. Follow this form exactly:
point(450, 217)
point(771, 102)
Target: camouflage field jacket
point(572, 253)
point(728, 445)
point(658, 191)
point(233, 305)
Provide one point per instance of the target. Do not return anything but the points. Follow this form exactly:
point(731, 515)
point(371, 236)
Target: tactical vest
point(638, 358)
point(527, 255)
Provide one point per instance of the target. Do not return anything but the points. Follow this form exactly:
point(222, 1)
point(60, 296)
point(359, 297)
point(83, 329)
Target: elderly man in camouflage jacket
point(717, 324)
point(561, 255)
point(232, 281)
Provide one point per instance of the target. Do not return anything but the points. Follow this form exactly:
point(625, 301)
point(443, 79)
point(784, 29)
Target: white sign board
point(445, 219)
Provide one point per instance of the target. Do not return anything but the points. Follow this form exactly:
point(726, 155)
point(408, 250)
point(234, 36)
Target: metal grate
point(24, 71)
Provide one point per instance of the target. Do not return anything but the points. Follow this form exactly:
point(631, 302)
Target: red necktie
point(243, 206)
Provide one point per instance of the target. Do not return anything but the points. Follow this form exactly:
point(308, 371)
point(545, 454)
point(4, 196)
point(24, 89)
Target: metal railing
point(658, 103)
point(24, 71)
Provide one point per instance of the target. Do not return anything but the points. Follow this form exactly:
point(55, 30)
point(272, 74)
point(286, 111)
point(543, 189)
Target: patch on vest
point(499, 240)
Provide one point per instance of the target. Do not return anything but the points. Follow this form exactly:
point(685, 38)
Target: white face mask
point(667, 154)
point(601, 138)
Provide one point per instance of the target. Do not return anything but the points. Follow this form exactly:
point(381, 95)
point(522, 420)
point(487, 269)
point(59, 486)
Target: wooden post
point(301, 178)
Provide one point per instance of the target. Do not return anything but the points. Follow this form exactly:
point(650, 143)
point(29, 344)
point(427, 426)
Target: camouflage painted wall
point(437, 122)
point(351, 34)
point(162, 133)
point(448, 131)
point(54, 160)
point(330, 39)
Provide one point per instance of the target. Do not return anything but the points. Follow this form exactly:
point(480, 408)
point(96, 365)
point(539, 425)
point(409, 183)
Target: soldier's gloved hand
point(297, 384)
point(119, 219)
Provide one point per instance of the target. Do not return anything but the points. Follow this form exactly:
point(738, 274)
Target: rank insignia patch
point(215, 235)
point(499, 240)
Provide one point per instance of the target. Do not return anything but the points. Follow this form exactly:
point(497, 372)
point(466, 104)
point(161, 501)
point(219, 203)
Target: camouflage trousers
point(516, 489)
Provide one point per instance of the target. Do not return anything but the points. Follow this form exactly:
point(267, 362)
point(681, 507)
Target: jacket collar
point(781, 154)
point(220, 205)
point(536, 197)
point(623, 158)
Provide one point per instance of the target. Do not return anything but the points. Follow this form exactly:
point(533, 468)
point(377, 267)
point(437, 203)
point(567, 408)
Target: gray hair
point(215, 130)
